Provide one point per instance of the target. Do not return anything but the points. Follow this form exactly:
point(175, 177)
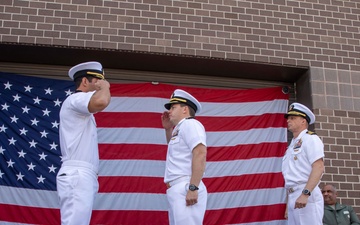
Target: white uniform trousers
point(76, 187)
point(311, 214)
point(179, 213)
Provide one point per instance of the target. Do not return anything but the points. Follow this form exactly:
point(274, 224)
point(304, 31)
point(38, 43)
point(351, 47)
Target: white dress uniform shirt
point(302, 152)
point(78, 133)
point(187, 134)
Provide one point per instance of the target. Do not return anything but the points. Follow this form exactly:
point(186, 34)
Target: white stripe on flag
point(275, 222)
point(35, 197)
point(236, 199)
point(242, 109)
point(142, 168)
point(219, 109)
point(242, 167)
point(144, 201)
point(157, 136)
point(10, 223)
point(156, 168)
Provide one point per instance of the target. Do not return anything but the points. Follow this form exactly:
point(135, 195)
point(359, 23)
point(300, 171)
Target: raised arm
point(101, 98)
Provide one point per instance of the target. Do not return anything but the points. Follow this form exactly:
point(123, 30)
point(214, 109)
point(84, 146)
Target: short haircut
point(332, 186)
point(79, 79)
point(191, 110)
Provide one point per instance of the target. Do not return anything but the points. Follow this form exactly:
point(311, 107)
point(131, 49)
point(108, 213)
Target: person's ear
point(85, 81)
point(185, 108)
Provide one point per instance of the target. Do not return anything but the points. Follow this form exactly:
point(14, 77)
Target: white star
point(25, 109)
point(57, 102)
point(53, 146)
point(55, 124)
point(68, 92)
point(16, 98)
point(46, 112)
point(23, 131)
point(28, 88)
point(44, 134)
point(42, 156)
point(5, 107)
point(48, 91)
point(10, 163)
point(52, 168)
point(1, 174)
point(12, 141)
point(14, 119)
point(3, 128)
point(31, 166)
point(41, 179)
point(37, 100)
point(33, 144)
point(8, 85)
point(34, 122)
point(2, 150)
point(22, 154)
point(19, 176)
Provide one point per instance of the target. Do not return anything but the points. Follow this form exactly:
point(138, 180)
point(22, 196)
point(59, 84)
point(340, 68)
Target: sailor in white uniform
point(76, 180)
point(302, 168)
point(185, 160)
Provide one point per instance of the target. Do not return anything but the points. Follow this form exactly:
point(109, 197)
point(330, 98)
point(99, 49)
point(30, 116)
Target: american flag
point(246, 137)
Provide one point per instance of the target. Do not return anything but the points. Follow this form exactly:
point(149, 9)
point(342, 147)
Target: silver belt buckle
point(291, 190)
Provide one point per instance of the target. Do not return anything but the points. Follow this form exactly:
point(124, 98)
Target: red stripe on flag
point(127, 184)
point(153, 120)
point(249, 151)
point(30, 215)
point(132, 151)
point(158, 152)
point(212, 217)
point(247, 214)
point(202, 94)
point(126, 119)
point(129, 217)
point(244, 182)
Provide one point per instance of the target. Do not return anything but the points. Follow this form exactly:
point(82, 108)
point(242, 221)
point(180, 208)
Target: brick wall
point(323, 35)
point(336, 98)
point(340, 131)
point(316, 33)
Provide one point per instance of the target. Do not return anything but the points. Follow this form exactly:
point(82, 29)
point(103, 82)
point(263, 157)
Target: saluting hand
point(102, 84)
point(165, 120)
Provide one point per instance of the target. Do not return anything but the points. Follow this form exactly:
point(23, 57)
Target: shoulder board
point(311, 133)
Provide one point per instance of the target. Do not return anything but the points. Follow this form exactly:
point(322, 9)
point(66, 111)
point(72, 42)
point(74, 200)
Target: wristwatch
point(192, 187)
point(306, 192)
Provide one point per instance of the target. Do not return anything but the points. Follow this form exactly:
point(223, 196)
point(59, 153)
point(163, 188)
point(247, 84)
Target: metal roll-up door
point(131, 76)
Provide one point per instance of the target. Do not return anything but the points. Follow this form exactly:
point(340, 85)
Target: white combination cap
point(181, 96)
point(94, 69)
point(297, 109)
